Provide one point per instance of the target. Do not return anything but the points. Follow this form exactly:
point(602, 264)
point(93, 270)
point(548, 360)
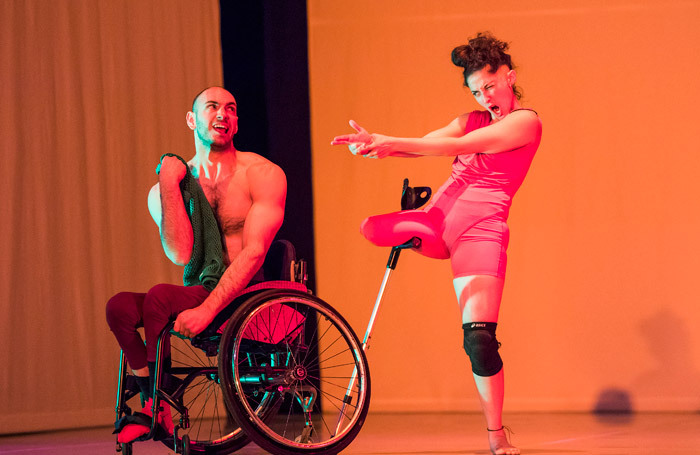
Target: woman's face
point(494, 91)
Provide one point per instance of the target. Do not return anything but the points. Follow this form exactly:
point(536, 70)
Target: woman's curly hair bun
point(481, 51)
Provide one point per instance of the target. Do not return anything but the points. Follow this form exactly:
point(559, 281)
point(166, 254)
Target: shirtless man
point(247, 195)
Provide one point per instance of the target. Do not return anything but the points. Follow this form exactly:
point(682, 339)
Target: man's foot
point(165, 419)
point(498, 441)
point(133, 431)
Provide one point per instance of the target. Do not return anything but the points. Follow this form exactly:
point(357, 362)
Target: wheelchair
point(277, 366)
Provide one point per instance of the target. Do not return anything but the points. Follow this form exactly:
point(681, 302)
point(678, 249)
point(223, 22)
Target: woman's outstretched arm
point(515, 130)
point(357, 147)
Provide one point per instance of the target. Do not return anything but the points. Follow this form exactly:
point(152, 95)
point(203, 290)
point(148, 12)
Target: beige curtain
point(92, 93)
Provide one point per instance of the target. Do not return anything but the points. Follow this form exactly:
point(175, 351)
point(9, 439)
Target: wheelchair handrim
point(349, 338)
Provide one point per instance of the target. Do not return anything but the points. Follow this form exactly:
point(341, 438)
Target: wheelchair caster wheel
point(185, 445)
point(126, 448)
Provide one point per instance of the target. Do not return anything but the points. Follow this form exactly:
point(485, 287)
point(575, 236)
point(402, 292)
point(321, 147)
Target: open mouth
point(496, 110)
point(221, 128)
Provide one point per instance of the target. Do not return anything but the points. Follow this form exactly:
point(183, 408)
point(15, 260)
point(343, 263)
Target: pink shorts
point(481, 249)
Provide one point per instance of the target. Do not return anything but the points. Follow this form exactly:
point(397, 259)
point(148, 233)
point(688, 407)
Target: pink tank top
point(492, 178)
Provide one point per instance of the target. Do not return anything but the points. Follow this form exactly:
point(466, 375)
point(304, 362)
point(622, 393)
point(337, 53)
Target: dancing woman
point(466, 218)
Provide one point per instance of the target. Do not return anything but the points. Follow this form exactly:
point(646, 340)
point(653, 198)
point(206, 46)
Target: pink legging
point(473, 238)
point(127, 311)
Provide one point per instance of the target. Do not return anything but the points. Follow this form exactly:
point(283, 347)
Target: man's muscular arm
point(268, 190)
point(168, 211)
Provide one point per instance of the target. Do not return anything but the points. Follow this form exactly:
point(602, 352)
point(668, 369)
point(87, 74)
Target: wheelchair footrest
point(139, 418)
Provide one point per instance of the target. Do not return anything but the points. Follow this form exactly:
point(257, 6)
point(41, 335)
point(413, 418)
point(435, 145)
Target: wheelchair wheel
point(298, 347)
point(206, 427)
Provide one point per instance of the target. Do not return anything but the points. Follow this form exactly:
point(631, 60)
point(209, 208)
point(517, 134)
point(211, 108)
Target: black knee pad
point(481, 346)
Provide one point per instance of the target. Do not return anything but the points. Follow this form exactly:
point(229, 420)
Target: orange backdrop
point(601, 297)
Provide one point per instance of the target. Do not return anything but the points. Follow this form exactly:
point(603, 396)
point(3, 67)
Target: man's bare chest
point(230, 200)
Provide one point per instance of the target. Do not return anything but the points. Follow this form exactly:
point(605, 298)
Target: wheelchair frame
point(288, 380)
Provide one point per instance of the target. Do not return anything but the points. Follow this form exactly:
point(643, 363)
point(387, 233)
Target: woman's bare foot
point(498, 441)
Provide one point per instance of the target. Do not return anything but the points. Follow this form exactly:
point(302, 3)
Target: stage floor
point(441, 434)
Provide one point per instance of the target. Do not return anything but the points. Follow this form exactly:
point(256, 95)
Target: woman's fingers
point(357, 127)
point(357, 148)
point(344, 139)
point(362, 136)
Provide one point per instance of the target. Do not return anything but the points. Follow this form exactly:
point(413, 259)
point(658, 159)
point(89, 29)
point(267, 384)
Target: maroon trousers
point(128, 311)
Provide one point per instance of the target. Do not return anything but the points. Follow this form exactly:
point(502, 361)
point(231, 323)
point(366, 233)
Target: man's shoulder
point(258, 166)
point(251, 158)
point(264, 177)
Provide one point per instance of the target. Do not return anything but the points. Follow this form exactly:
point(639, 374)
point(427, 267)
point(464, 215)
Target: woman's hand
point(363, 143)
point(356, 148)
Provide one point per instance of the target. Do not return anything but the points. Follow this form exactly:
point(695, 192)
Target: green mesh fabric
point(206, 264)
